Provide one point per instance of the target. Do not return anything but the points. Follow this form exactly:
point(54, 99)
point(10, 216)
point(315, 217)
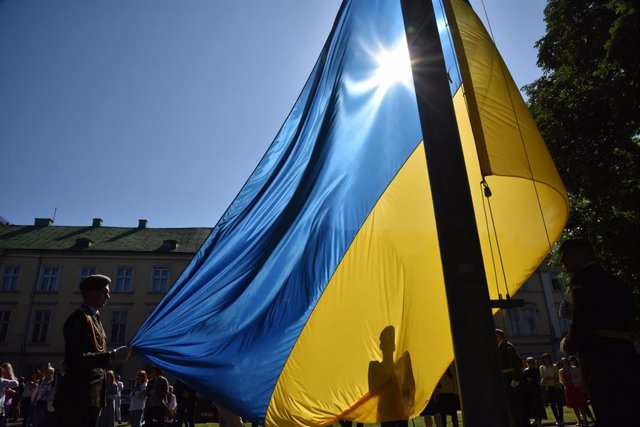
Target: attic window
point(169, 245)
point(43, 222)
point(83, 243)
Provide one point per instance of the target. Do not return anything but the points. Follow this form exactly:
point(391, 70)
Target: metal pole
point(481, 387)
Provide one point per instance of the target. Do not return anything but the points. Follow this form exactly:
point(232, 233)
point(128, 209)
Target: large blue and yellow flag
point(319, 295)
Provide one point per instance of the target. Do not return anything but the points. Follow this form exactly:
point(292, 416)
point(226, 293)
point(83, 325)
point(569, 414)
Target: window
point(522, 321)
point(514, 321)
point(160, 279)
point(86, 272)
point(41, 320)
point(118, 327)
point(49, 279)
point(124, 280)
point(5, 315)
point(529, 321)
point(10, 278)
point(564, 323)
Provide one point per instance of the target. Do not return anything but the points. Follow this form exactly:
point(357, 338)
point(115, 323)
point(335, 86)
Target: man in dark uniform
point(81, 394)
point(600, 333)
point(513, 378)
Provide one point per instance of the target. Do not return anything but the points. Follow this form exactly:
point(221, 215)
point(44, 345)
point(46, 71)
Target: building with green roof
point(41, 266)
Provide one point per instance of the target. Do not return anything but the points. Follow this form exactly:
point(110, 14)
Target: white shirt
point(138, 398)
point(172, 403)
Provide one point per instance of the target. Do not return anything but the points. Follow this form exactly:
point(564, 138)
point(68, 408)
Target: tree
point(587, 105)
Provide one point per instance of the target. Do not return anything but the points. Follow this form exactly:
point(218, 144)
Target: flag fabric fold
point(529, 205)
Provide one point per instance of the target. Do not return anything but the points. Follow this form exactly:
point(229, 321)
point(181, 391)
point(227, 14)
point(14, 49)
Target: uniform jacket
point(85, 358)
point(510, 363)
point(600, 330)
point(602, 303)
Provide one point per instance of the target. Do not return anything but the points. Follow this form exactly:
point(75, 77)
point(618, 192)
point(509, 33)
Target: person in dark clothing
point(600, 334)
point(81, 394)
point(449, 396)
point(29, 388)
point(156, 393)
point(511, 366)
point(186, 398)
point(533, 404)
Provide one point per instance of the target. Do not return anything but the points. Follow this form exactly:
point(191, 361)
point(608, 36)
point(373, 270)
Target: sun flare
point(393, 66)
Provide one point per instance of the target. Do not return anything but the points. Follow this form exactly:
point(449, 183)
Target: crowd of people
point(33, 402)
point(153, 402)
point(83, 391)
point(30, 400)
point(540, 383)
point(601, 316)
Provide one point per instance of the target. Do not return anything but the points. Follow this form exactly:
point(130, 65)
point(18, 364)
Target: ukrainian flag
point(320, 295)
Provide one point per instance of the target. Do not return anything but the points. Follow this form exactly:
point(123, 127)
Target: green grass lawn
point(569, 418)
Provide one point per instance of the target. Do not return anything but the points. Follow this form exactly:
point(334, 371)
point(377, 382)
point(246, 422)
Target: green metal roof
point(66, 238)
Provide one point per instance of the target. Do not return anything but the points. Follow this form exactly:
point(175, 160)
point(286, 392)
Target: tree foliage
point(587, 105)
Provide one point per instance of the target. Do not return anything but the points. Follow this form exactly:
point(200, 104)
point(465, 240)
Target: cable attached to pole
point(487, 195)
point(486, 191)
point(524, 146)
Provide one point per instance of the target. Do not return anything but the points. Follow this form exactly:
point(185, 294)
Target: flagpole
point(475, 349)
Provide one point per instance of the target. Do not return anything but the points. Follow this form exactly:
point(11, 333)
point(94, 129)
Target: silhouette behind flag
point(333, 238)
point(391, 382)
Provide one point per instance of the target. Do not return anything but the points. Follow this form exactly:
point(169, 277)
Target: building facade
point(41, 266)
point(536, 327)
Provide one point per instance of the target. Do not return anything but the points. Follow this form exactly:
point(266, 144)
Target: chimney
point(97, 222)
point(142, 223)
point(43, 222)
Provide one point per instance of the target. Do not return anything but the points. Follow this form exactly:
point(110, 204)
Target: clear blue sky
point(161, 109)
